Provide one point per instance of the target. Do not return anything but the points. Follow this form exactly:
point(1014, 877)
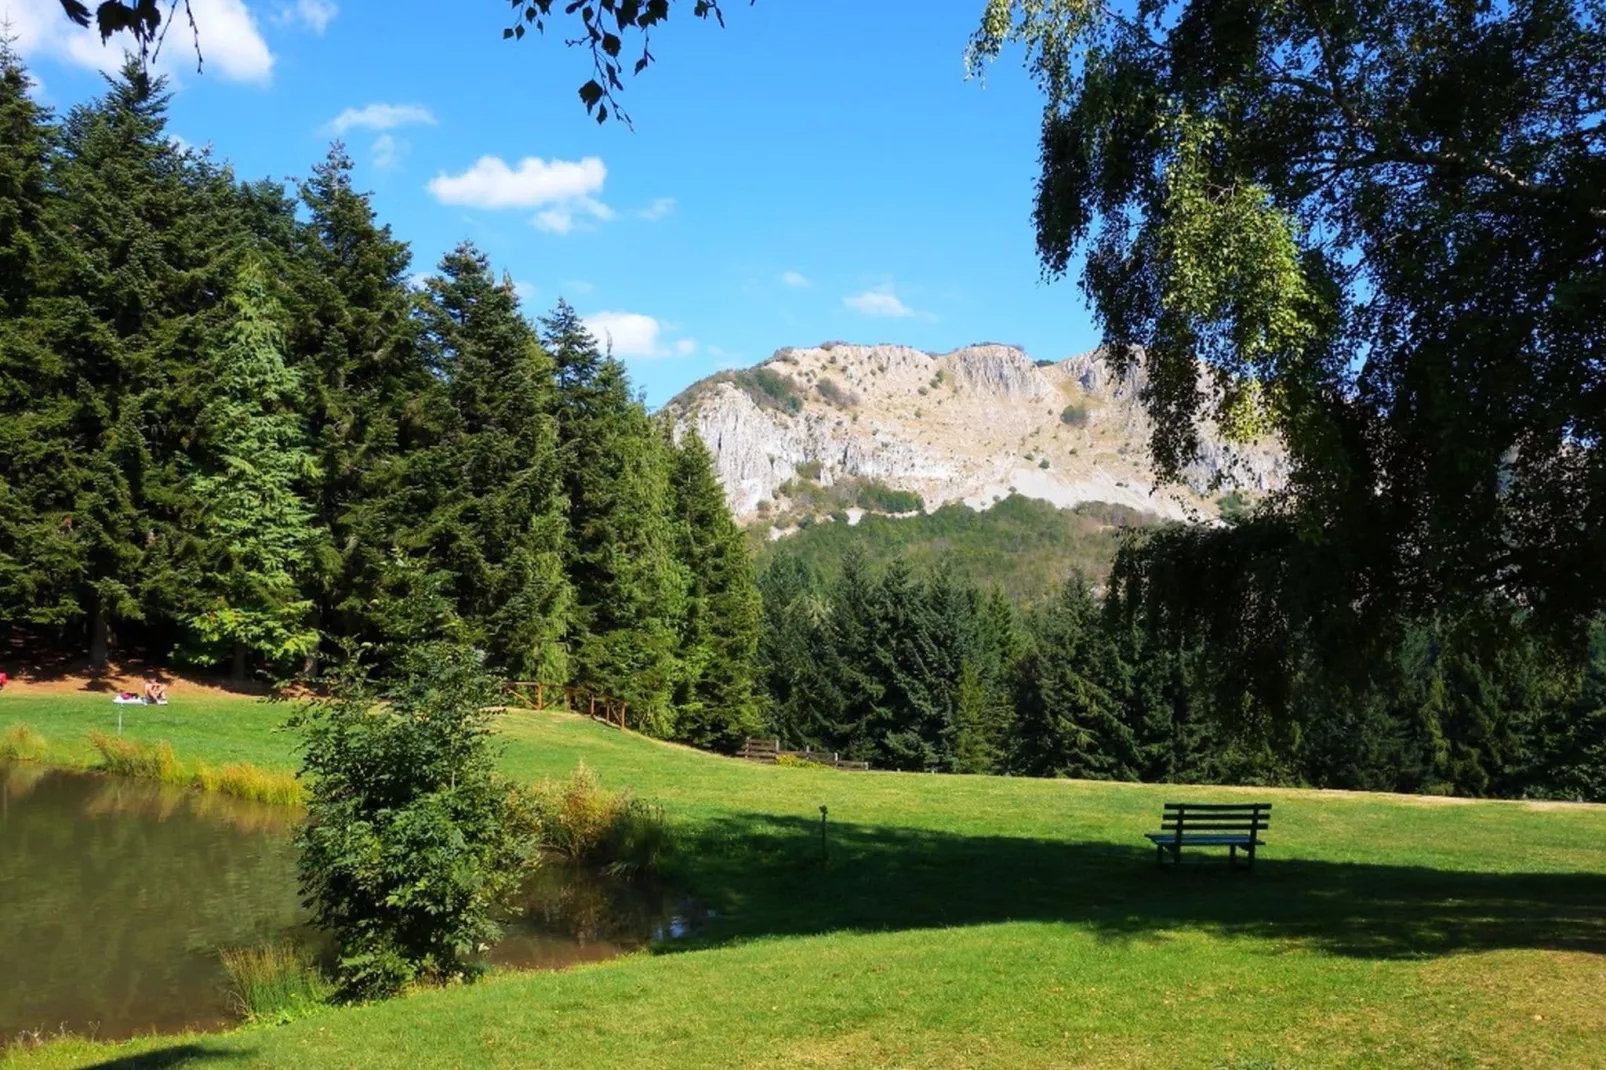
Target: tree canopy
point(1376, 228)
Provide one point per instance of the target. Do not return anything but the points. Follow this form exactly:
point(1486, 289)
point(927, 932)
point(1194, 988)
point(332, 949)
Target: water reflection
point(115, 895)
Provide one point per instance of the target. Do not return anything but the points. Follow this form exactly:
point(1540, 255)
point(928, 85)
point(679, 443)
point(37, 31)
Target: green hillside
point(1023, 545)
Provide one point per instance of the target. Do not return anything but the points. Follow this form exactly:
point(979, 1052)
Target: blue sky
point(819, 169)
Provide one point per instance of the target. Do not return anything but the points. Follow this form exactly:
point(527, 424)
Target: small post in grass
point(825, 853)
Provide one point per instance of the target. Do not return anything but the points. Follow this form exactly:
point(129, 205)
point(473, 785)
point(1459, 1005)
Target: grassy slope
point(1003, 922)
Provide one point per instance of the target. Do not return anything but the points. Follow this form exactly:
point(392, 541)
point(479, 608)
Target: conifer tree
point(715, 701)
point(499, 527)
point(252, 525)
point(629, 589)
point(35, 553)
point(373, 406)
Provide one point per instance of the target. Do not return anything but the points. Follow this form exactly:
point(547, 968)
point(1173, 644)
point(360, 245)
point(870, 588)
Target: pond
point(117, 894)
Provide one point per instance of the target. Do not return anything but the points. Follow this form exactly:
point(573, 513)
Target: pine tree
point(714, 698)
point(498, 527)
point(629, 589)
point(251, 525)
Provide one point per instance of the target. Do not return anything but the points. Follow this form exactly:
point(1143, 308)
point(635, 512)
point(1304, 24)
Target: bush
point(584, 822)
point(1234, 507)
point(878, 497)
point(1043, 463)
point(246, 781)
point(809, 470)
point(1074, 415)
point(411, 840)
point(275, 982)
point(793, 761)
point(835, 394)
point(21, 743)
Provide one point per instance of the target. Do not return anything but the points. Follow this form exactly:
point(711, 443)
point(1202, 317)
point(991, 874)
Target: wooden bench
point(1229, 825)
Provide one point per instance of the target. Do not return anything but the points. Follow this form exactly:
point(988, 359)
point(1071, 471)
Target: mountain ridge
point(971, 425)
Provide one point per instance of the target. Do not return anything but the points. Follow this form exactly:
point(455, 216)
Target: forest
point(235, 432)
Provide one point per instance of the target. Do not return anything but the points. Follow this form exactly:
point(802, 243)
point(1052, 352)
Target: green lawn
point(986, 921)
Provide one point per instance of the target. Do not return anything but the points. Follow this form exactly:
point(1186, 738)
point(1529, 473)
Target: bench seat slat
point(1217, 826)
point(1205, 840)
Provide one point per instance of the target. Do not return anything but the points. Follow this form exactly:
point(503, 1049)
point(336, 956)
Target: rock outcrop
point(972, 425)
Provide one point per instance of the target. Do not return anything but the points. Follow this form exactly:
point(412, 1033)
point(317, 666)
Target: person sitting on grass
point(155, 691)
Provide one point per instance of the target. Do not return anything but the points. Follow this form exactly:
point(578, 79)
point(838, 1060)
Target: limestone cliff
point(969, 426)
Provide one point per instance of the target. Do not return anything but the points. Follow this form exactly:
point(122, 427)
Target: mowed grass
point(966, 921)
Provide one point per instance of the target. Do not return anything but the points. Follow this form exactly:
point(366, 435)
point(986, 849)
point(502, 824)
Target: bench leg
point(1251, 856)
point(1159, 854)
point(1232, 856)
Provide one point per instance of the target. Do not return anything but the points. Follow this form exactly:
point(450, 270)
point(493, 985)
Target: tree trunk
point(239, 662)
point(99, 636)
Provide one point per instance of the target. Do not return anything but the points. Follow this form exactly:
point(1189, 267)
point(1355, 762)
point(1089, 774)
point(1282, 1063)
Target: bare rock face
point(971, 426)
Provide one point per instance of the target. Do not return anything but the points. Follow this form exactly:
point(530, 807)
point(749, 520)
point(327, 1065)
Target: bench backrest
point(1183, 818)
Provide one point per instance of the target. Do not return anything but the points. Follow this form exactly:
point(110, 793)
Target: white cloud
point(579, 286)
point(382, 117)
point(657, 209)
point(795, 278)
point(491, 183)
point(388, 151)
point(879, 302)
point(633, 334)
point(561, 218)
point(230, 41)
point(315, 15)
point(526, 292)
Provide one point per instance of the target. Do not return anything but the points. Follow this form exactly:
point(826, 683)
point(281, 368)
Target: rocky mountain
point(838, 426)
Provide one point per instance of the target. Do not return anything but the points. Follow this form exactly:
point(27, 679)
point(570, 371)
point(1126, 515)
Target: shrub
point(584, 822)
point(1074, 415)
point(21, 743)
point(274, 982)
point(154, 761)
point(411, 840)
point(1234, 507)
point(806, 520)
point(836, 394)
point(764, 507)
point(878, 497)
point(809, 470)
point(793, 761)
point(1043, 463)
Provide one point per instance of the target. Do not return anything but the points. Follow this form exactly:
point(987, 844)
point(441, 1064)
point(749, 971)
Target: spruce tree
point(629, 589)
point(718, 633)
point(373, 406)
point(498, 526)
point(251, 526)
point(36, 556)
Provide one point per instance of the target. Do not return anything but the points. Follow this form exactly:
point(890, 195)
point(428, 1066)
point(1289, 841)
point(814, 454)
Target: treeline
point(233, 432)
point(920, 671)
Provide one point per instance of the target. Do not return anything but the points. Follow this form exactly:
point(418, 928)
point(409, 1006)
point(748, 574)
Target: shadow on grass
point(764, 876)
point(161, 1058)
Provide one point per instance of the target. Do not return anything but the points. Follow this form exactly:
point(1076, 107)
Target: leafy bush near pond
point(274, 982)
point(411, 842)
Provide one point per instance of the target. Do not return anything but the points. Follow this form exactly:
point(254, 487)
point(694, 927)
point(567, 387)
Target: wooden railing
point(769, 751)
point(533, 694)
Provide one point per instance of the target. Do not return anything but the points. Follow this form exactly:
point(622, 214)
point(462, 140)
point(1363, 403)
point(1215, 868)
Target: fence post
point(540, 703)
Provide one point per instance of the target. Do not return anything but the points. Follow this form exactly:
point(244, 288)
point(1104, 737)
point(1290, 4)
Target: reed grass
point(156, 761)
point(246, 781)
point(21, 743)
point(151, 761)
point(274, 982)
point(578, 818)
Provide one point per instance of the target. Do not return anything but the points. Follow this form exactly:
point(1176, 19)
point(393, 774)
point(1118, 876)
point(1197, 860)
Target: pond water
point(116, 895)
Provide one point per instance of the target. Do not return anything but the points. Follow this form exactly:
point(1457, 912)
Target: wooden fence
point(532, 694)
point(769, 751)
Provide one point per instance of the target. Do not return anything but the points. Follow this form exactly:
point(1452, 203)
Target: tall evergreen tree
point(252, 526)
point(629, 589)
point(715, 702)
point(373, 405)
point(499, 527)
